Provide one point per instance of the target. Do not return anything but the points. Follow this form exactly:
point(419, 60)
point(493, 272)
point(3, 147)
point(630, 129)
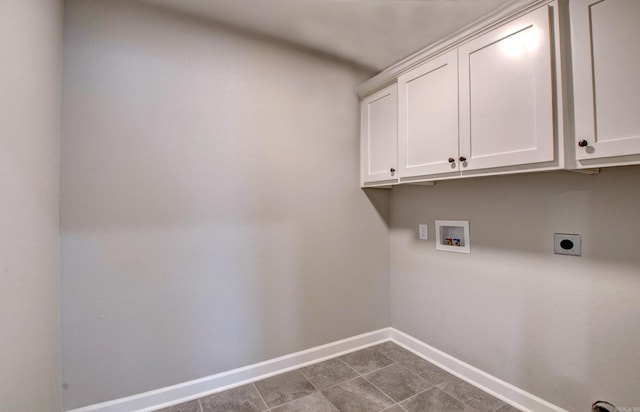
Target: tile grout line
point(302, 397)
point(362, 375)
point(393, 362)
point(349, 366)
point(314, 385)
point(424, 390)
point(366, 380)
point(500, 407)
point(395, 404)
point(454, 396)
point(428, 389)
point(393, 401)
point(437, 385)
point(341, 382)
point(381, 391)
point(307, 378)
point(260, 395)
point(375, 370)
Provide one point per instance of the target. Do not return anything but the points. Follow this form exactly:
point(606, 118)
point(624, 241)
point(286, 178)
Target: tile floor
point(384, 377)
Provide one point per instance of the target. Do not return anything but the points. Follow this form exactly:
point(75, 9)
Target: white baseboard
point(500, 389)
point(183, 392)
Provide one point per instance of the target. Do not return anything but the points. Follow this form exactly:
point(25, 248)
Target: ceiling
point(371, 33)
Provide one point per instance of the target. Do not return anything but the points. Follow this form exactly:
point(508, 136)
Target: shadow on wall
point(379, 199)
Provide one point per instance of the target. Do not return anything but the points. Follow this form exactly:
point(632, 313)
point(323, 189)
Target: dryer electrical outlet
point(567, 244)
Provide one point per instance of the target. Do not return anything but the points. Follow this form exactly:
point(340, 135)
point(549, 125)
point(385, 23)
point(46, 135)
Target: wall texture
point(210, 210)
point(30, 45)
point(564, 328)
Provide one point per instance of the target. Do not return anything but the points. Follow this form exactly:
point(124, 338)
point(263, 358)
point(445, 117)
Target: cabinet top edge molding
point(486, 23)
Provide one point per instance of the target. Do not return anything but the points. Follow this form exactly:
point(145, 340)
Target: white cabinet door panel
point(606, 60)
point(379, 135)
point(506, 95)
point(428, 118)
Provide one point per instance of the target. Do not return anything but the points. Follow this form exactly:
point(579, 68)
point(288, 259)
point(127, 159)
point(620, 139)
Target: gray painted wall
point(210, 210)
point(211, 219)
point(563, 328)
point(30, 41)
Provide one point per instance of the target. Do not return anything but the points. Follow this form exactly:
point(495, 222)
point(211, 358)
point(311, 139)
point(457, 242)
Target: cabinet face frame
point(605, 148)
point(539, 23)
point(379, 137)
point(428, 118)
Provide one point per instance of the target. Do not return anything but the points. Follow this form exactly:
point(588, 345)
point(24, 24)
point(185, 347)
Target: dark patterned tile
point(470, 395)
point(393, 351)
point(366, 360)
point(357, 395)
point(425, 369)
point(393, 374)
point(398, 382)
point(312, 403)
point(241, 399)
point(284, 388)
point(394, 408)
point(191, 406)
point(434, 400)
point(328, 373)
point(508, 408)
point(429, 371)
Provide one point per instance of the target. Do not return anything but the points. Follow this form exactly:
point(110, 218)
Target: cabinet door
point(379, 138)
point(606, 62)
point(506, 95)
point(428, 118)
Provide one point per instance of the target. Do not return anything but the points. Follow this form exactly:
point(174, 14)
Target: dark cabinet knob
point(451, 160)
point(392, 170)
point(463, 159)
point(583, 143)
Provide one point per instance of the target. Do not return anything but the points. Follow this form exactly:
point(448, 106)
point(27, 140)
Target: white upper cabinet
point(493, 99)
point(506, 95)
point(428, 118)
point(379, 137)
point(606, 70)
